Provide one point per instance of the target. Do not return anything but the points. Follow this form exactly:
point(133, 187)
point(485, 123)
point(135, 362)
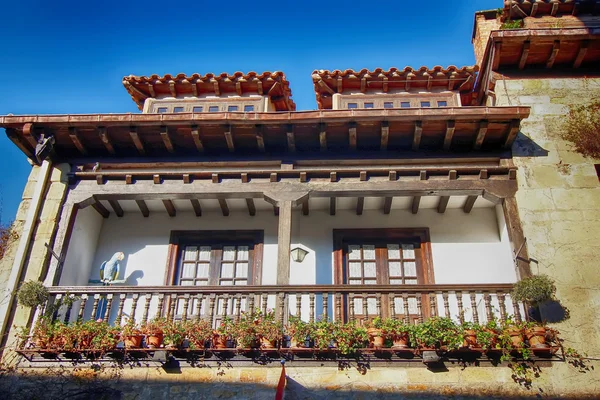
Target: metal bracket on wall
point(519, 258)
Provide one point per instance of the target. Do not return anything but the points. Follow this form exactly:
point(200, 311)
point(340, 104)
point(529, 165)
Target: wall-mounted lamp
point(298, 254)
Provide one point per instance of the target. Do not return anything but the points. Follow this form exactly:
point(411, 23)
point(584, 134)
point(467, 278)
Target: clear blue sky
point(68, 57)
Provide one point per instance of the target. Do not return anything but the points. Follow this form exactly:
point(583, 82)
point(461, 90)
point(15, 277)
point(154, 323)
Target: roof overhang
point(538, 8)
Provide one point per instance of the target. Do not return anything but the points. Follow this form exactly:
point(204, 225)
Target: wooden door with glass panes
point(395, 257)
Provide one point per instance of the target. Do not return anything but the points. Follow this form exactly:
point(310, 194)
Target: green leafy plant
point(174, 333)
point(534, 290)
point(299, 330)
point(198, 332)
point(438, 332)
point(32, 294)
point(323, 334)
point(349, 337)
point(581, 128)
point(512, 24)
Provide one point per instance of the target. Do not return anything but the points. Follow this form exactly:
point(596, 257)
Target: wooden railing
point(469, 302)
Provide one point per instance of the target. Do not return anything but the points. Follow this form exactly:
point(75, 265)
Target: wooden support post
point(553, 54)
point(196, 137)
point(524, 54)
point(352, 135)
point(116, 207)
point(284, 240)
point(387, 205)
point(415, 204)
point(105, 139)
point(196, 207)
point(305, 209)
point(170, 207)
point(164, 133)
point(101, 209)
point(143, 208)
point(417, 135)
point(450, 128)
point(583, 48)
point(251, 207)
point(136, 140)
point(291, 138)
point(483, 128)
point(469, 204)
point(332, 206)
point(496, 60)
point(385, 134)
point(516, 237)
point(76, 141)
point(224, 207)
point(360, 204)
point(513, 130)
point(229, 138)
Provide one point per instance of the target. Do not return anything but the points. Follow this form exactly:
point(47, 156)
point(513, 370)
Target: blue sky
point(69, 57)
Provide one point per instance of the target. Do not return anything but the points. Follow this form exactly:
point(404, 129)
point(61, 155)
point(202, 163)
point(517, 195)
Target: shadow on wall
point(132, 279)
point(524, 146)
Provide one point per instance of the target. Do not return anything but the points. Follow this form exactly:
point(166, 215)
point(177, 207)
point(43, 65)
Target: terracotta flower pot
point(376, 338)
point(219, 342)
point(537, 337)
point(155, 340)
point(516, 336)
point(267, 343)
point(470, 338)
point(400, 341)
point(133, 342)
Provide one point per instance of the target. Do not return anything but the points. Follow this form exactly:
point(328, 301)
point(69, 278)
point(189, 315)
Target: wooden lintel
point(496, 60)
point(224, 207)
point(385, 134)
point(387, 205)
point(415, 204)
point(196, 206)
point(323, 137)
point(229, 138)
point(524, 54)
point(170, 207)
point(450, 128)
point(483, 128)
point(583, 48)
point(275, 210)
point(214, 178)
point(251, 206)
point(452, 175)
point(116, 207)
point(196, 137)
point(423, 175)
point(143, 208)
point(76, 140)
point(513, 130)
point(291, 138)
point(332, 205)
point(260, 140)
point(305, 209)
point(393, 175)
point(99, 207)
point(553, 54)
point(352, 136)
point(360, 205)
point(105, 139)
point(164, 133)
point(417, 135)
point(443, 204)
point(469, 204)
point(128, 179)
point(136, 140)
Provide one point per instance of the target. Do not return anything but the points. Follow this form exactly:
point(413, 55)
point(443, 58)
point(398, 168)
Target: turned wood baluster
point(461, 311)
point(516, 310)
point(501, 302)
point(172, 305)
point(122, 297)
point(109, 300)
point(84, 298)
point(69, 309)
point(405, 304)
point(393, 306)
point(135, 297)
point(225, 307)
point(95, 305)
point(446, 304)
point(299, 305)
point(57, 300)
point(265, 297)
point(338, 306)
point(365, 299)
point(312, 307)
point(433, 303)
point(419, 308)
point(474, 307)
point(186, 305)
point(148, 297)
point(161, 304)
point(281, 307)
point(251, 303)
point(325, 301)
point(199, 299)
point(378, 305)
point(489, 314)
point(238, 306)
point(211, 308)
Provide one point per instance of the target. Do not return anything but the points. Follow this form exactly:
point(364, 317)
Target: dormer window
point(161, 110)
point(197, 109)
point(352, 105)
point(442, 104)
point(425, 104)
point(177, 109)
point(213, 109)
point(232, 108)
point(248, 108)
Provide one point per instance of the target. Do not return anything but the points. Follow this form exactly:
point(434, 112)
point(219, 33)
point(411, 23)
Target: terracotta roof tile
point(538, 8)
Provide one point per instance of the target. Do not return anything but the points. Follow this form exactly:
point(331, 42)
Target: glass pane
point(395, 281)
point(405, 104)
point(232, 108)
point(248, 108)
point(412, 305)
point(410, 268)
point(242, 254)
point(355, 282)
point(354, 270)
point(241, 270)
point(178, 109)
point(190, 253)
point(161, 110)
point(241, 282)
point(186, 283)
point(358, 302)
point(408, 251)
point(202, 270)
point(354, 252)
point(370, 269)
point(197, 109)
point(442, 104)
point(201, 283)
point(393, 250)
point(425, 104)
point(395, 268)
point(227, 270)
point(399, 305)
point(369, 252)
point(372, 306)
point(204, 253)
point(370, 282)
point(352, 105)
point(228, 253)
point(368, 105)
point(213, 108)
point(226, 283)
point(410, 281)
point(187, 270)
point(388, 104)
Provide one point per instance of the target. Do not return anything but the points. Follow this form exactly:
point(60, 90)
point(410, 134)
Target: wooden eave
point(455, 129)
point(272, 84)
point(328, 83)
point(522, 49)
point(516, 9)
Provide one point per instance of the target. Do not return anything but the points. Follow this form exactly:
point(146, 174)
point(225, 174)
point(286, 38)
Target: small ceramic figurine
point(109, 271)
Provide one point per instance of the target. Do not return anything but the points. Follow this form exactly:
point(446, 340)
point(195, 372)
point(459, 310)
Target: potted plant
point(131, 335)
point(44, 335)
point(223, 335)
point(32, 294)
point(173, 334)
point(300, 332)
point(470, 331)
point(534, 290)
point(536, 336)
point(323, 334)
point(198, 333)
point(268, 331)
point(437, 333)
point(349, 337)
point(397, 331)
point(95, 336)
point(154, 331)
point(375, 332)
point(512, 333)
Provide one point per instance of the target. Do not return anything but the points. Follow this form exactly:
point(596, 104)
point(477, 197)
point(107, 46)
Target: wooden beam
point(583, 48)
point(164, 133)
point(187, 178)
point(105, 139)
point(116, 207)
point(305, 209)
point(332, 205)
point(101, 209)
point(516, 237)
point(323, 136)
point(196, 138)
point(518, 11)
point(363, 176)
point(450, 128)
point(385, 134)
point(483, 174)
point(273, 177)
point(156, 179)
point(534, 9)
point(513, 130)
point(360, 204)
point(224, 207)
point(284, 242)
point(229, 138)
point(524, 54)
point(129, 179)
point(333, 176)
point(16, 139)
point(352, 135)
point(244, 177)
point(214, 178)
point(291, 138)
point(387, 205)
point(170, 207)
point(496, 60)
point(415, 204)
point(275, 211)
point(553, 54)
point(443, 204)
point(196, 206)
point(554, 9)
point(251, 207)
point(469, 204)
point(417, 135)
point(260, 140)
point(136, 140)
point(483, 128)
point(28, 134)
point(143, 208)
point(303, 177)
point(76, 141)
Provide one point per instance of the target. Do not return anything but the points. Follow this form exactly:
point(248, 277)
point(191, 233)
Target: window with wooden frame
point(397, 257)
